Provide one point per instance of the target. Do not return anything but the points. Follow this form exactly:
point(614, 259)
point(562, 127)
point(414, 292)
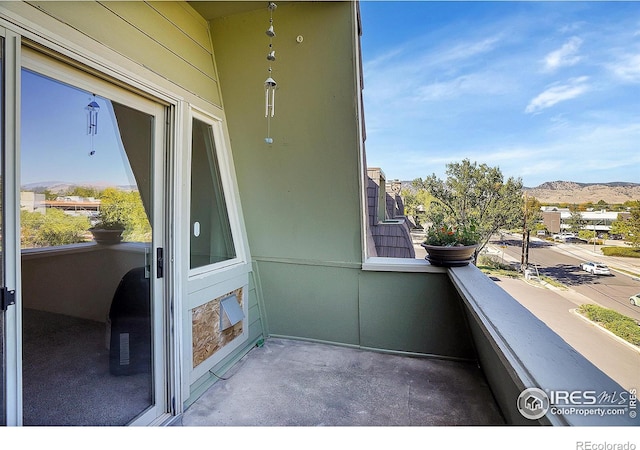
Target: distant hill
point(62, 186)
point(572, 192)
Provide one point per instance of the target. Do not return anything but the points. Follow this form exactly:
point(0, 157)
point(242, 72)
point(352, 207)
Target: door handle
point(7, 298)
point(159, 262)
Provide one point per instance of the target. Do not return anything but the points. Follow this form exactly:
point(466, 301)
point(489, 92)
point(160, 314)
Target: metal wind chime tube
point(92, 122)
point(270, 84)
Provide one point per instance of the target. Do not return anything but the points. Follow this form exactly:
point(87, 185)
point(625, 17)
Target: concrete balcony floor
point(297, 383)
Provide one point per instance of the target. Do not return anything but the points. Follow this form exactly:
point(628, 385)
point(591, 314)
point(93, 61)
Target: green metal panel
point(311, 301)
point(413, 312)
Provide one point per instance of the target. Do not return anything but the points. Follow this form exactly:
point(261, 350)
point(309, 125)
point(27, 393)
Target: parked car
point(635, 299)
point(595, 268)
point(568, 238)
point(575, 240)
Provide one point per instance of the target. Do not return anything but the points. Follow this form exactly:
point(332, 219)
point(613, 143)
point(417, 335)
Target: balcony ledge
point(59, 250)
point(382, 264)
point(518, 351)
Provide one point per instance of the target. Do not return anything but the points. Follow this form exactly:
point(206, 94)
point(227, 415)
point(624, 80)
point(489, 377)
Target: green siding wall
point(300, 195)
point(169, 38)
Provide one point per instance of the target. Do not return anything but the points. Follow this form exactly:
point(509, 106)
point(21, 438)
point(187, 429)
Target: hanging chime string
point(270, 90)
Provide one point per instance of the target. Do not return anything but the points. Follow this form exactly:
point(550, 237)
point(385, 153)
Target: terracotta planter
point(106, 237)
point(450, 256)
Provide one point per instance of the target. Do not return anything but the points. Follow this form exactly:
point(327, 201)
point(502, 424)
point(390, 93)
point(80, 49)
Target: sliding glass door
point(93, 339)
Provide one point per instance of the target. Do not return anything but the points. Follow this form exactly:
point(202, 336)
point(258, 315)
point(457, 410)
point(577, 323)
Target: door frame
point(166, 336)
point(11, 225)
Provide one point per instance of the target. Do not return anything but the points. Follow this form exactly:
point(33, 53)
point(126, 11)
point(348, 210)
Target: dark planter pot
point(106, 237)
point(450, 256)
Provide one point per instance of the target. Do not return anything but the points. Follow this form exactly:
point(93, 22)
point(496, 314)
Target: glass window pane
point(211, 239)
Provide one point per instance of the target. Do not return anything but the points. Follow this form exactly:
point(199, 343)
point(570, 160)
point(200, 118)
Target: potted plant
point(451, 245)
point(112, 218)
point(108, 233)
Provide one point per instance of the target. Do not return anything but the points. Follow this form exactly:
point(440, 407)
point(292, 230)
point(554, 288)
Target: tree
point(531, 216)
point(476, 194)
point(126, 209)
point(629, 227)
point(416, 203)
point(575, 221)
point(48, 195)
point(51, 229)
point(84, 191)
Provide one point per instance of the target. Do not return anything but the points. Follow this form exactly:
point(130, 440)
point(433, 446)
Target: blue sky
point(544, 90)
point(55, 145)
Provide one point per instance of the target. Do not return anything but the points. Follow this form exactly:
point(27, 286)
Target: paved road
point(619, 360)
point(562, 261)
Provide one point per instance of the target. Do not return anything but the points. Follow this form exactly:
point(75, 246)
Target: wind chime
point(270, 84)
point(92, 122)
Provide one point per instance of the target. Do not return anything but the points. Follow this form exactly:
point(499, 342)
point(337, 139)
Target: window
point(211, 239)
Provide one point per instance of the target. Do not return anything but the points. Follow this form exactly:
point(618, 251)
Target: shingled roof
point(391, 236)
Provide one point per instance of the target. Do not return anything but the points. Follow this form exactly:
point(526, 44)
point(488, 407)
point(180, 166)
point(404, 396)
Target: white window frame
point(229, 186)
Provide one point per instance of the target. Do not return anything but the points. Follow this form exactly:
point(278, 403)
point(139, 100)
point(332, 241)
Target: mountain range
point(553, 192)
point(58, 187)
point(550, 192)
point(572, 192)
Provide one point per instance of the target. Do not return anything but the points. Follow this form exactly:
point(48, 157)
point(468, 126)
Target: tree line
point(478, 193)
point(58, 228)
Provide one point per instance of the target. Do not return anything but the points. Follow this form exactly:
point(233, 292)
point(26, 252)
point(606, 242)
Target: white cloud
point(565, 55)
point(627, 68)
point(558, 93)
point(481, 83)
point(467, 50)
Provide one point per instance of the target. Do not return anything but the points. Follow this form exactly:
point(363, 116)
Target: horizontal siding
point(178, 41)
point(186, 19)
point(144, 35)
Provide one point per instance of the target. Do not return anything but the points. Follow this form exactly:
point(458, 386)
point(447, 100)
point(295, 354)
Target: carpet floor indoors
point(66, 379)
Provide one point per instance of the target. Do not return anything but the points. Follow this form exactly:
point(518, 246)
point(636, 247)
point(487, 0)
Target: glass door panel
point(87, 304)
